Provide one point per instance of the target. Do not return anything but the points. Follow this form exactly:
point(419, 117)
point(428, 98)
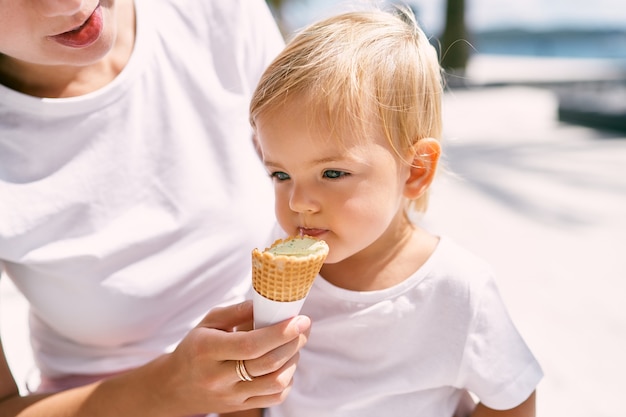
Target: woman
point(125, 160)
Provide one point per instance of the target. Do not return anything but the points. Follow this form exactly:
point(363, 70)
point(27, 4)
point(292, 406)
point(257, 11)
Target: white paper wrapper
point(268, 312)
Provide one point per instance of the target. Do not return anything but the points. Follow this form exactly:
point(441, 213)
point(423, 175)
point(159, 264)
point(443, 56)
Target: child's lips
point(311, 232)
point(84, 35)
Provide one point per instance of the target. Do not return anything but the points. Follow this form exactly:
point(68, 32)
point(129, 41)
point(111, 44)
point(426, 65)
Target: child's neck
point(384, 269)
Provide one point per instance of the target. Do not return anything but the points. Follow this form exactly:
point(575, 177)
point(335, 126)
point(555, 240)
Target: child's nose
point(59, 7)
point(302, 201)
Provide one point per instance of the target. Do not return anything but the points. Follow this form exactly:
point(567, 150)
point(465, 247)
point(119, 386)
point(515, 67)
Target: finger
point(276, 358)
point(269, 389)
point(256, 343)
point(229, 317)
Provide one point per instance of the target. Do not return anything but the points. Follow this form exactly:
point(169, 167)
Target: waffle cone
point(288, 274)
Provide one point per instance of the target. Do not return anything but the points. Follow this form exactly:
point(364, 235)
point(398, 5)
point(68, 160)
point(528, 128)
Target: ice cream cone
point(282, 276)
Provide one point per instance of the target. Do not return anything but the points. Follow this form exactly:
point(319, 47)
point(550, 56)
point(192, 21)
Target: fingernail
point(303, 323)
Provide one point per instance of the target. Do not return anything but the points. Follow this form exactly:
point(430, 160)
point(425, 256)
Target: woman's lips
point(83, 36)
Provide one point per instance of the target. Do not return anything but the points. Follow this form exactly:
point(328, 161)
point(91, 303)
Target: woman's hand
point(201, 376)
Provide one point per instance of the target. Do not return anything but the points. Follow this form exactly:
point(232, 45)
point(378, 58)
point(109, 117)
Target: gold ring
point(242, 372)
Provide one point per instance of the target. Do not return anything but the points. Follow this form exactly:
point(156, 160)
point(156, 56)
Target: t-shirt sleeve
point(241, 38)
point(266, 41)
point(497, 364)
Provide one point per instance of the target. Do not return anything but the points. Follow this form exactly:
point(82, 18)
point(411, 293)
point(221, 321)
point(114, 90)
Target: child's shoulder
point(455, 262)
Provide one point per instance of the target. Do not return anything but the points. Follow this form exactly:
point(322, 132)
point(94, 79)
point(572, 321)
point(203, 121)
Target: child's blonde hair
point(357, 68)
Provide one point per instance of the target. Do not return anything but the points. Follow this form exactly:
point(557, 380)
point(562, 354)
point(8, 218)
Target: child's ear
point(425, 157)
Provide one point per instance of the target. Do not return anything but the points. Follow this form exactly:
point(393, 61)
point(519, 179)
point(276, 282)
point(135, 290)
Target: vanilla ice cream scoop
point(282, 276)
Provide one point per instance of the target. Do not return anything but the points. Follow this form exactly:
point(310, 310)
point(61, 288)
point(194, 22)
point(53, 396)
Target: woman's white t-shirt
point(128, 213)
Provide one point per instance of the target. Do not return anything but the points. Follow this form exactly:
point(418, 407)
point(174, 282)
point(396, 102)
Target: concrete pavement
point(544, 203)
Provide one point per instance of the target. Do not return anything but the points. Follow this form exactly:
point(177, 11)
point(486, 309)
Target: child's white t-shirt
point(411, 349)
point(128, 213)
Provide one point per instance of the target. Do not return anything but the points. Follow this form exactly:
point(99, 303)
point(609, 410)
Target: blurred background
point(577, 48)
point(535, 174)
point(534, 178)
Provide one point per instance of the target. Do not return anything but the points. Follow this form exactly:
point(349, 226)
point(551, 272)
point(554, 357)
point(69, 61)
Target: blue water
point(483, 14)
point(588, 41)
point(575, 44)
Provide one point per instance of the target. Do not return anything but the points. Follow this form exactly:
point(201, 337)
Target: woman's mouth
point(84, 35)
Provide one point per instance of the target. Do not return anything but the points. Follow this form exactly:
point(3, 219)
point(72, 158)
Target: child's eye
point(334, 174)
point(280, 176)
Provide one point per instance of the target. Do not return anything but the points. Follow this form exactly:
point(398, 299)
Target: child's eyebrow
point(319, 161)
point(328, 159)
